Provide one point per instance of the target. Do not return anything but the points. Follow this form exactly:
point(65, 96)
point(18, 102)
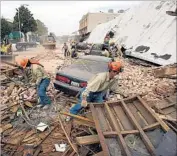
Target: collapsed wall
point(147, 29)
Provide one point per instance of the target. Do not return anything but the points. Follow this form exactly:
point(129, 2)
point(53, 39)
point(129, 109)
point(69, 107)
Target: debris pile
point(24, 127)
point(140, 80)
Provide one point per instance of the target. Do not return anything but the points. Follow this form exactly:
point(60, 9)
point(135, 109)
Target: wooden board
point(87, 140)
point(123, 118)
point(144, 113)
point(167, 106)
point(130, 116)
point(137, 116)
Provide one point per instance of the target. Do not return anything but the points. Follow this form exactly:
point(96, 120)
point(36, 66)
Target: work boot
point(39, 106)
point(46, 107)
point(68, 118)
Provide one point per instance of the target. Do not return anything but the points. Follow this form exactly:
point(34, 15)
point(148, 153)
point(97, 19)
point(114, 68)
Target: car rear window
point(90, 65)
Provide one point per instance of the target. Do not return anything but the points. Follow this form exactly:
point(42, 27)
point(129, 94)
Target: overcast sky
point(62, 17)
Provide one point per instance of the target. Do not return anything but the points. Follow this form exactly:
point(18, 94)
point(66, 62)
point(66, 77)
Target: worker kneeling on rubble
point(38, 77)
point(98, 86)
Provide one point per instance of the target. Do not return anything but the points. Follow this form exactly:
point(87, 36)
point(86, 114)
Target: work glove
point(84, 103)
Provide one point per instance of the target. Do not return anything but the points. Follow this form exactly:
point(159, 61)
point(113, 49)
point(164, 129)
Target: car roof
point(95, 58)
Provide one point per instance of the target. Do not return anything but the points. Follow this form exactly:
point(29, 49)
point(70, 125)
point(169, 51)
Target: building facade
point(91, 20)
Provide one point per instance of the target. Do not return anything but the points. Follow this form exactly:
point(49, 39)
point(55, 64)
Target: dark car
point(97, 49)
point(73, 78)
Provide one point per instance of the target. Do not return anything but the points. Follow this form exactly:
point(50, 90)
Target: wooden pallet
point(168, 106)
point(115, 120)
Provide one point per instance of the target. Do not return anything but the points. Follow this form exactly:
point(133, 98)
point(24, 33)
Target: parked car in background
point(81, 46)
point(73, 78)
point(97, 49)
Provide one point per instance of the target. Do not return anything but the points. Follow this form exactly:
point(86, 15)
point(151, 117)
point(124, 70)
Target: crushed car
point(71, 79)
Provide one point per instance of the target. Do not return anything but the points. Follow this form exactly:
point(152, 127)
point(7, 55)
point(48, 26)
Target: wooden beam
point(151, 127)
point(75, 150)
point(121, 140)
point(77, 117)
point(87, 140)
point(146, 140)
point(146, 128)
point(117, 102)
point(164, 126)
point(85, 123)
point(114, 133)
point(100, 134)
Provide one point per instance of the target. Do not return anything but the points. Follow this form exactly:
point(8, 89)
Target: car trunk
point(69, 76)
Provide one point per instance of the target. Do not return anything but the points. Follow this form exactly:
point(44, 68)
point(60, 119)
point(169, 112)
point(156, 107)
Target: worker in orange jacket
point(37, 76)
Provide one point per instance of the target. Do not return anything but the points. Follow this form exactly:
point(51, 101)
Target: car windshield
point(90, 65)
point(97, 47)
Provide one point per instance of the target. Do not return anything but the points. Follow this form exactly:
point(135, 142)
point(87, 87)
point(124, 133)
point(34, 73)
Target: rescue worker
point(73, 50)
point(66, 50)
point(112, 50)
point(73, 53)
point(73, 45)
point(97, 87)
point(38, 77)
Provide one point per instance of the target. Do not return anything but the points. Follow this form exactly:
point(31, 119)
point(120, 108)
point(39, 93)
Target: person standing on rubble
point(97, 87)
point(38, 77)
point(66, 50)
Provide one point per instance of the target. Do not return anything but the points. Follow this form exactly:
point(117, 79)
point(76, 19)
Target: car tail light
point(83, 84)
point(63, 79)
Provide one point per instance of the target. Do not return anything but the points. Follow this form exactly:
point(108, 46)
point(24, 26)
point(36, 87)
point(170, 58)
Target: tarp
point(147, 28)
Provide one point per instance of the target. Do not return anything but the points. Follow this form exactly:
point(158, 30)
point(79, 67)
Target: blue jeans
point(92, 97)
point(42, 89)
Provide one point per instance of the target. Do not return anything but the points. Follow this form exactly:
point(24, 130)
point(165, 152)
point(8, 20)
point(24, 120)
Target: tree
point(6, 27)
point(27, 21)
point(41, 28)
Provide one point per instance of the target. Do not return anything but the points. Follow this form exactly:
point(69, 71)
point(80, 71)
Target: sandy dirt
point(50, 59)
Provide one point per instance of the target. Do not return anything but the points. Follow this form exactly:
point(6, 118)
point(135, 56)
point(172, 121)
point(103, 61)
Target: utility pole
point(19, 27)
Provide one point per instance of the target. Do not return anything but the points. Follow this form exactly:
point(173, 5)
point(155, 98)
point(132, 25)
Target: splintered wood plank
point(29, 134)
point(119, 124)
point(85, 123)
point(6, 127)
point(68, 127)
point(102, 119)
point(87, 140)
point(152, 126)
point(123, 118)
point(147, 116)
point(162, 123)
point(37, 151)
point(173, 115)
point(114, 133)
point(98, 154)
point(98, 127)
point(147, 128)
point(161, 106)
point(121, 140)
point(137, 116)
point(144, 137)
point(172, 99)
point(168, 110)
